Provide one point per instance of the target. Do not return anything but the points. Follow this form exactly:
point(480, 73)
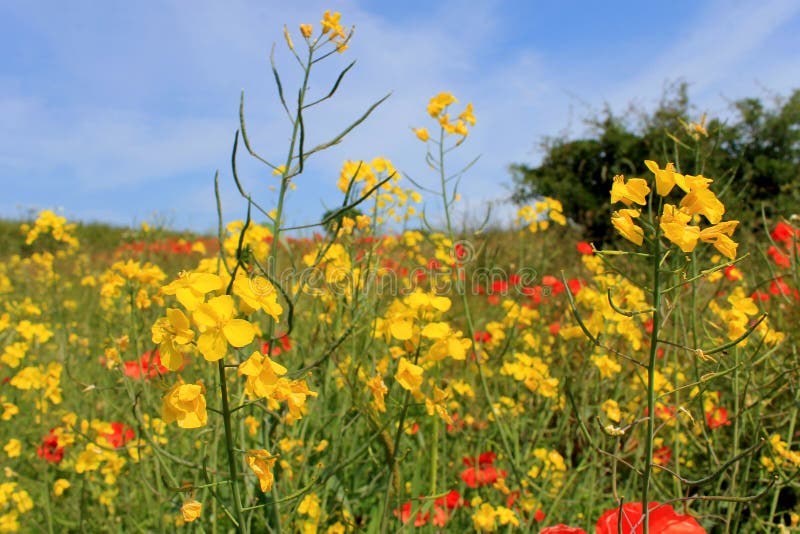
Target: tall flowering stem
point(651, 377)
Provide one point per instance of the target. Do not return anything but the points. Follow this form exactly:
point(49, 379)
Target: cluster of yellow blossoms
point(437, 109)
point(389, 200)
point(538, 216)
point(675, 220)
point(48, 223)
point(331, 27)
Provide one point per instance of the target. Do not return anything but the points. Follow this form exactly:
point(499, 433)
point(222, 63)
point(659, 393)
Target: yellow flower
point(484, 518)
point(191, 510)
point(421, 133)
point(306, 30)
point(634, 191)
point(190, 288)
point(310, 506)
point(262, 462)
point(379, 390)
point(506, 516)
point(258, 293)
point(409, 376)
point(719, 236)
point(701, 200)
point(252, 425)
point(611, 408)
point(60, 486)
point(9, 411)
point(623, 222)
point(606, 365)
point(439, 102)
point(171, 332)
point(218, 328)
point(262, 374)
point(467, 115)
point(682, 235)
point(330, 23)
point(666, 178)
point(89, 459)
point(186, 404)
point(13, 448)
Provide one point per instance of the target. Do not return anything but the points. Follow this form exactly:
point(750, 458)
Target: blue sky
point(122, 111)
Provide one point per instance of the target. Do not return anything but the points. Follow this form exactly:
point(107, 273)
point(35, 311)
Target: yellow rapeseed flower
point(218, 328)
point(421, 133)
point(171, 333)
point(623, 222)
point(186, 404)
point(191, 510)
point(409, 376)
point(13, 448)
point(633, 192)
point(262, 462)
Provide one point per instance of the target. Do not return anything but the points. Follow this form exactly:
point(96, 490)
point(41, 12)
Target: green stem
point(651, 375)
point(226, 418)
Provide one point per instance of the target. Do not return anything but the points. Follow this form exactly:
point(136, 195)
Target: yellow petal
point(239, 332)
point(402, 330)
point(435, 330)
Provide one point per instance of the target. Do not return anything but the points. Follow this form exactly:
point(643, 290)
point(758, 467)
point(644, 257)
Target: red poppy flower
point(779, 258)
point(782, 232)
point(717, 417)
point(119, 435)
point(562, 529)
point(662, 455)
point(148, 366)
point(732, 273)
point(404, 514)
point(555, 284)
point(500, 286)
point(663, 519)
point(584, 247)
point(483, 337)
point(779, 287)
point(283, 345)
point(481, 472)
point(49, 449)
point(575, 285)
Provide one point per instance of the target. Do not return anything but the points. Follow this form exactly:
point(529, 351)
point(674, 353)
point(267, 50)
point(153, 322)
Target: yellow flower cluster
point(332, 27)
point(437, 108)
point(265, 380)
point(534, 373)
point(737, 318)
point(548, 465)
point(487, 517)
point(538, 216)
point(48, 223)
point(390, 199)
point(781, 452)
point(674, 221)
point(14, 501)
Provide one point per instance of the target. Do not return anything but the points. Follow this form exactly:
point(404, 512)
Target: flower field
point(377, 373)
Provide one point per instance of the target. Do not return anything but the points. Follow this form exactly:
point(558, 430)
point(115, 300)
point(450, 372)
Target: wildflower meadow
point(378, 372)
